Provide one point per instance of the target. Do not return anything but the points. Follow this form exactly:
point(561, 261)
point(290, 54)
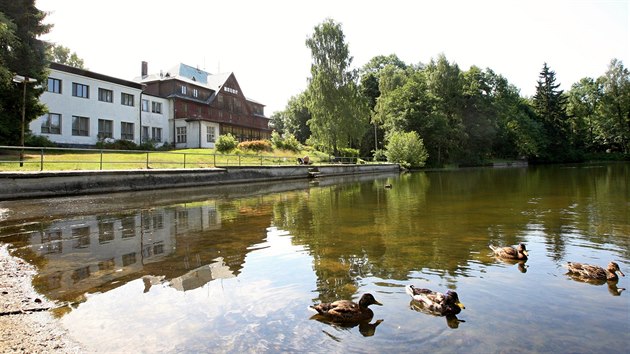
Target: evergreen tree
point(25, 55)
point(550, 107)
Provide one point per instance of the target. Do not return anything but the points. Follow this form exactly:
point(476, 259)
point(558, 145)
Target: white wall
point(67, 106)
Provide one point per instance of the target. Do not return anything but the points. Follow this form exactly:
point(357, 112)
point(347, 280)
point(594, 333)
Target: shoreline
point(26, 324)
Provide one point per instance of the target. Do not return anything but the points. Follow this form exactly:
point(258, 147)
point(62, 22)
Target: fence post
point(184, 160)
point(41, 160)
point(239, 160)
point(215, 160)
point(261, 160)
point(147, 160)
point(101, 162)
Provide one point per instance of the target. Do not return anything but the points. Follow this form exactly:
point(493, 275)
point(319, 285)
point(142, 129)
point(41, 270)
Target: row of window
point(51, 124)
point(83, 91)
point(156, 107)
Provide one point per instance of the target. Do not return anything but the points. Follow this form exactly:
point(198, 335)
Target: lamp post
point(25, 80)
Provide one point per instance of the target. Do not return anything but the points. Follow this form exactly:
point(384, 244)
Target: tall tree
point(62, 55)
point(24, 56)
point(339, 111)
point(615, 107)
point(583, 102)
point(550, 107)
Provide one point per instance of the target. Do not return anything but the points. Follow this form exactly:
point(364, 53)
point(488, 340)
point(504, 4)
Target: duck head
point(521, 249)
point(614, 268)
point(367, 299)
point(451, 298)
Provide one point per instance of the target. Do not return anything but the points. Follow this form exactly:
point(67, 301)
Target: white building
point(86, 107)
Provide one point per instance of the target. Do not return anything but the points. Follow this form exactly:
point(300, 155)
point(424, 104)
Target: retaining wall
point(19, 185)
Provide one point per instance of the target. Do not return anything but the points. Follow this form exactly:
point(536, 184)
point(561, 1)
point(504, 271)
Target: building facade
point(185, 106)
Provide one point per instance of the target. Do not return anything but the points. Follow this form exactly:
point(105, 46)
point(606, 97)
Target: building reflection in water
point(182, 246)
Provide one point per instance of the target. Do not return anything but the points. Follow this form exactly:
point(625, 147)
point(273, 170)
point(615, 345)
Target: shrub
point(256, 145)
point(288, 142)
point(226, 143)
point(38, 141)
point(117, 145)
point(407, 149)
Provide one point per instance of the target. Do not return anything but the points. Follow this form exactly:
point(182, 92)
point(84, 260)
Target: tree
point(339, 112)
point(406, 149)
point(60, 54)
point(22, 54)
point(550, 107)
point(615, 109)
point(583, 105)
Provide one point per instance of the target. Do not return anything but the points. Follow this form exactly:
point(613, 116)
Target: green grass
point(68, 160)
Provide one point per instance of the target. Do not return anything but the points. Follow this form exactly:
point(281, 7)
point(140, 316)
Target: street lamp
point(25, 80)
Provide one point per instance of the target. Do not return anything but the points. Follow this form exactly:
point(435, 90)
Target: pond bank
point(26, 325)
point(21, 185)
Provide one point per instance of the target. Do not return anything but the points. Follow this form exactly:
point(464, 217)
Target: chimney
point(145, 69)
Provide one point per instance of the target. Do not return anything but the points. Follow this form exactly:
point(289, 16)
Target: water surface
point(234, 269)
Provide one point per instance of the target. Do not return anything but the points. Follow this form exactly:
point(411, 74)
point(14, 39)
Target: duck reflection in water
point(348, 314)
point(436, 303)
point(595, 275)
point(520, 264)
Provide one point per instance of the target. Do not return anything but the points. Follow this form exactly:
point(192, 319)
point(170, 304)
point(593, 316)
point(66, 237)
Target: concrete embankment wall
point(18, 185)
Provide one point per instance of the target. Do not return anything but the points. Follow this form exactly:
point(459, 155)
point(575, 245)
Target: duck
point(519, 252)
point(346, 310)
point(446, 304)
point(388, 186)
point(589, 271)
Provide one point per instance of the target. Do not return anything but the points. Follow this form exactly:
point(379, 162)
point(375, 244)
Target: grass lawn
point(68, 159)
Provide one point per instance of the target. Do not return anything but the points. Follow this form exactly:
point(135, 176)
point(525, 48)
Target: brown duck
point(589, 271)
point(346, 310)
point(519, 252)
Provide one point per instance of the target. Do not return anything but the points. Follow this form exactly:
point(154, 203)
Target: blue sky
point(262, 42)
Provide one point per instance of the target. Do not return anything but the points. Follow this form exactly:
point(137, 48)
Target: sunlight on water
point(235, 269)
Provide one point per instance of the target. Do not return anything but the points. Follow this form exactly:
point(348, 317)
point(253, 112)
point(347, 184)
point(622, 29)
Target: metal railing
point(56, 158)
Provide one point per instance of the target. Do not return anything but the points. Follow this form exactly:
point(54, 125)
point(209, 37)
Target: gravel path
point(26, 326)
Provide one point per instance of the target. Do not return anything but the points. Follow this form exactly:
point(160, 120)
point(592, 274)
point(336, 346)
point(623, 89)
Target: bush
point(38, 141)
point(288, 142)
point(117, 145)
point(226, 143)
point(256, 145)
point(407, 149)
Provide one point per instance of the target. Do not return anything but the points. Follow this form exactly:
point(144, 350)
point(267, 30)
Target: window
point(105, 129)
point(80, 90)
point(195, 93)
point(156, 107)
point(180, 135)
point(126, 99)
point(54, 85)
point(184, 90)
point(210, 134)
point(157, 134)
point(145, 105)
point(51, 124)
point(126, 131)
point(145, 133)
point(80, 126)
point(105, 95)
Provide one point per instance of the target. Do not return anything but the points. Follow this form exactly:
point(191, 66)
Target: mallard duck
point(519, 252)
point(447, 304)
point(589, 271)
point(346, 310)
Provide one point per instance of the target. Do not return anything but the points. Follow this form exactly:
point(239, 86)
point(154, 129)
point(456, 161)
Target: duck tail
point(492, 247)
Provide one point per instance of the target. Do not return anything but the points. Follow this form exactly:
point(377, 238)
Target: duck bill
point(377, 303)
point(525, 253)
point(461, 306)
point(620, 272)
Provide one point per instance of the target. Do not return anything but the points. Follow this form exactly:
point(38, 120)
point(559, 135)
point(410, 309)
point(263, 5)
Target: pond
point(234, 269)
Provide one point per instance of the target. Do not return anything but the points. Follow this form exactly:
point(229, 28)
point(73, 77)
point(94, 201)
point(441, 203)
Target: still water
point(234, 269)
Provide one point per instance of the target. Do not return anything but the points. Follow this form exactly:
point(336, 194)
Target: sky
point(263, 42)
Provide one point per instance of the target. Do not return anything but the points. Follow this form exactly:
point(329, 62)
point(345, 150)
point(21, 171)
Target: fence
point(14, 158)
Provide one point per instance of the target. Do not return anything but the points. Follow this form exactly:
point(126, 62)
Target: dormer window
point(184, 90)
point(195, 93)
